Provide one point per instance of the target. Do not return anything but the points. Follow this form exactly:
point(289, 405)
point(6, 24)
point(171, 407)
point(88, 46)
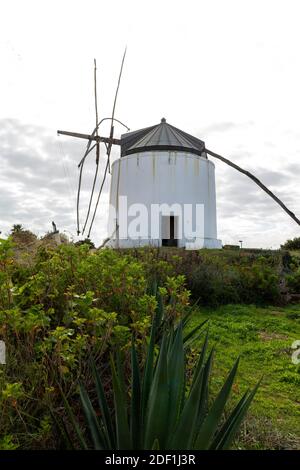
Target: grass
point(262, 337)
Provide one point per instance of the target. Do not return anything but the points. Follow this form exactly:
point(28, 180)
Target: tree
point(17, 228)
point(293, 244)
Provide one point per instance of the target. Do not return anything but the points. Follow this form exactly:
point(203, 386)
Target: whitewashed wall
point(165, 177)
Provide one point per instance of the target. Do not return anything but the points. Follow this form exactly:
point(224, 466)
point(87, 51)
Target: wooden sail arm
point(257, 181)
point(96, 138)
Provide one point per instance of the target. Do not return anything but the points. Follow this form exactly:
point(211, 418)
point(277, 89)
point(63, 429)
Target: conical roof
point(162, 136)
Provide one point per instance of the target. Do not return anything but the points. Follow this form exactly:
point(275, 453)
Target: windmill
point(137, 139)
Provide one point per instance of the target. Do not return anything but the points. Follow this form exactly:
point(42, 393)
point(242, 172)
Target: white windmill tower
point(163, 191)
point(161, 167)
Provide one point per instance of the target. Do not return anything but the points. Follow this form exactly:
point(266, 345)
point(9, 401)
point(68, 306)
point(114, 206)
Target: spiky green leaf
point(122, 426)
point(214, 415)
point(135, 414)
point(74, 422)
point(176, 374)
point(94, 425)
point(156, 422)
point(228, 431)
point(105, 414)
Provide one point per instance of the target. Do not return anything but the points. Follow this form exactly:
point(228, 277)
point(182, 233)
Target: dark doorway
point(169, 231)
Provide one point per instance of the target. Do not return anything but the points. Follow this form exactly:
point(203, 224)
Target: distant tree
point(291, 244)
point(86, 241)
point(17, 228)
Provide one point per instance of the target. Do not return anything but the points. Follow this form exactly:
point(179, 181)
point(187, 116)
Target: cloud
point(39, 178)
point(293, 168)
point(246, 211)
point(224, 126)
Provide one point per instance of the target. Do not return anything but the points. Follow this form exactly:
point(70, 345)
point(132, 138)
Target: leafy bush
point(220, 277)
point(21, 236)
point(260, 283)
point(293, 281)
point(86, 241)
point(293, 244)
point(213, 285)
point(216, 281)
point(66, 306)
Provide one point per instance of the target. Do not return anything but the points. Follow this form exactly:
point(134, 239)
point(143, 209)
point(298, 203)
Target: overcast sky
point(227, 72)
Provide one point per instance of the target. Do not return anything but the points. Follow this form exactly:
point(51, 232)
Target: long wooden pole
point(257, 181)
point(97, 138)
point(111, 134)
point(97, 147)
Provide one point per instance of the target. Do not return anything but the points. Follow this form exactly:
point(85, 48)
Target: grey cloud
point(293, 168)
point(246, 209)
point(224, 126)
point(271, 178)
point(39, 177)
point(240, 154)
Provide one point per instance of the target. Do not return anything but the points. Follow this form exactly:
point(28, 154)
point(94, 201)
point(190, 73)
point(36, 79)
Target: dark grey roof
point(162, 136)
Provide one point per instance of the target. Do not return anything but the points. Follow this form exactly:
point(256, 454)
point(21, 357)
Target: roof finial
point(163, 120)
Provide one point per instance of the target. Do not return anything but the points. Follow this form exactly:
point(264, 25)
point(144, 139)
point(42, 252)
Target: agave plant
point(161, 410)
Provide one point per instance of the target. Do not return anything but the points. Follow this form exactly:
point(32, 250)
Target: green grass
point(262, 337)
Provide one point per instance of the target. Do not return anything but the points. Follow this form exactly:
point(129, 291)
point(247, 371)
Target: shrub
point(20, 236)
point(293, 281)
point(86, 241)
point(293, 244)
point(216, 277)
point(214, 286)
point(259, 283)
point(66, 306)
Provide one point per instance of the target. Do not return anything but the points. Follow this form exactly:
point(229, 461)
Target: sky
point(226, 72)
